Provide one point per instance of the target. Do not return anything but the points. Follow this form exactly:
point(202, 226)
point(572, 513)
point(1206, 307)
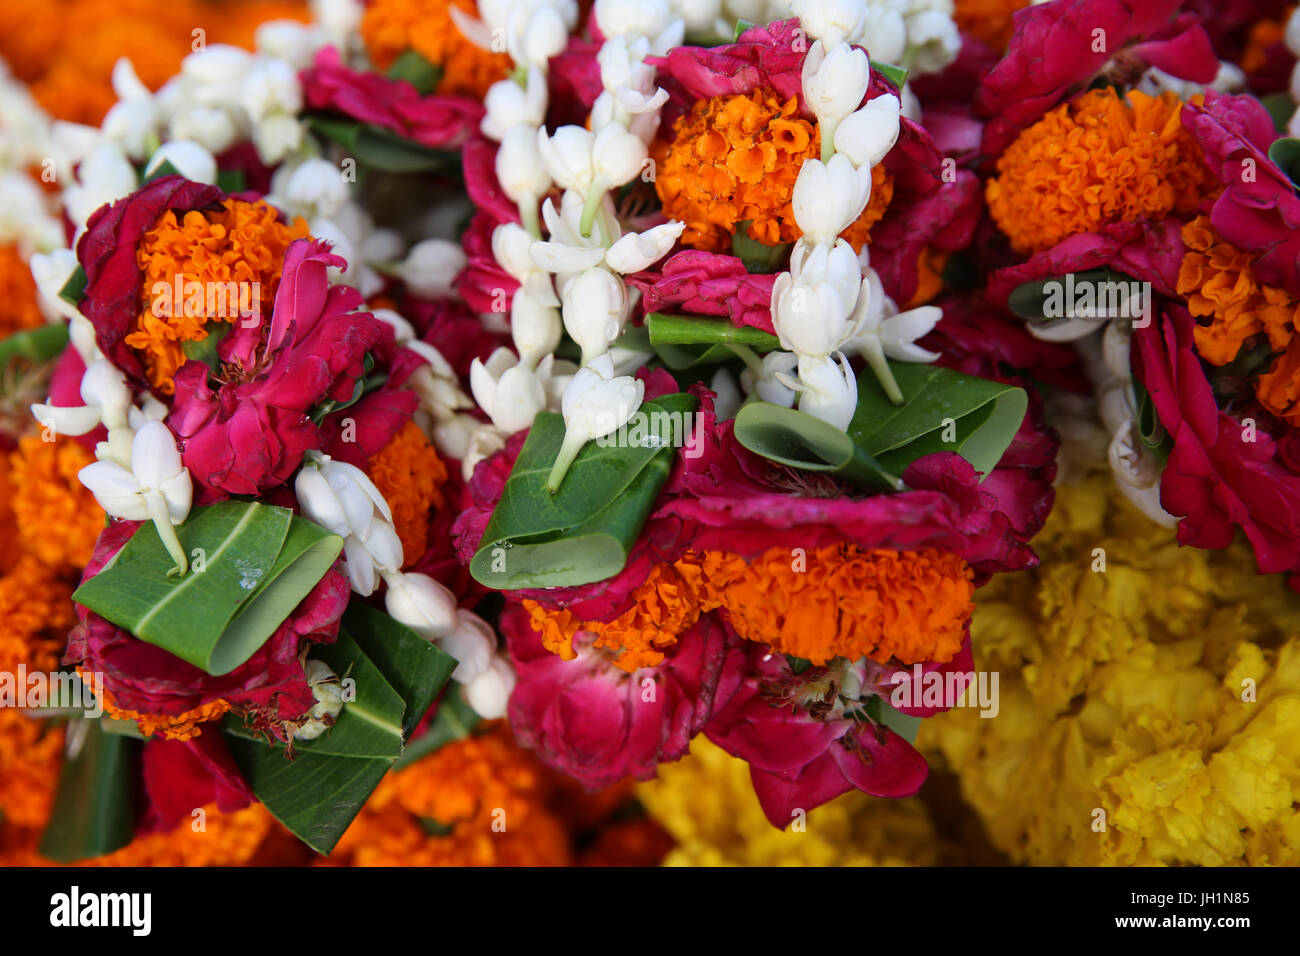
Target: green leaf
point(797, 664)
point(379, 148)
point(1285, 152)
point(205, 349)
point(584, 531)
point(416, 70)
point(258, 562)
point(36, 345)
point(741, 26)
point(942, 410)
point(74, 290)
point(1280, 108)
point(689, 330)
point(318, 793)
point(894, 74)
point(94, 807)
point(799, 440)
point(315, 796)
point(905, 725)
point(231, 180)
point(370, 726)
point(681, 357)
point(455, 720)
point(758, 257)
point(165, 168)
point(415, 668)
point(1053, 300)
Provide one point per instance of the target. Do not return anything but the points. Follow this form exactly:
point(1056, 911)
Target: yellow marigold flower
point(1096, 160)
point(56, 516)
point(391, 27)
point(734, 159)
point(728, 828)
point(241, 243)
point(1148, 712)
point(410, 475)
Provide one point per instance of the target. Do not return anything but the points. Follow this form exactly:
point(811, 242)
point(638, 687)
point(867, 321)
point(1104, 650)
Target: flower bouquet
point(424, 422)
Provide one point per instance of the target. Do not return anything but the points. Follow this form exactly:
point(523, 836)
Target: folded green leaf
point(942, 410)
point(583, 532)
point(36, 345)
point(413, 67)
point(318, 793)
point(74, 290)
point(894, 74)
point(94, 806)
point(416, 668)
point(165, 168)
point(1285, 153)
point(253, 564)
point(379, 148)
point(799, 440)
point(688, 330)
point(758, 257)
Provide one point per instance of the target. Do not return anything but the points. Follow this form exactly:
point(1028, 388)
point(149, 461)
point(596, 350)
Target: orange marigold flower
point(391, 27)
point(227, 839)
point(1098, 160)
point(66, 48)
point(18, 303)
point(35, 615)
point(448, 810)
point(56, 516)
point(990, 20)
point(929, 274)
point(734, 159)
point(410, 475)
point(1219, 284)
point(1263, 34)
point(1218, 281)
point(31, 751)
point(667, 605)
point(905, 605)
point(241, 243)
point(184, 726)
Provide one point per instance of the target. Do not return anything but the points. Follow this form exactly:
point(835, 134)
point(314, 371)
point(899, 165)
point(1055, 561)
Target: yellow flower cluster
point(707, 803)
point(1150, 711)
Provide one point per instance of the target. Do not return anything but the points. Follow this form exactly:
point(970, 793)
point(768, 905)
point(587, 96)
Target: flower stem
point(589, 209)
point(749, 356)
point(827, 128)
point(528, 213)
point(162, 520)
point(875, 355)
point(573, 442)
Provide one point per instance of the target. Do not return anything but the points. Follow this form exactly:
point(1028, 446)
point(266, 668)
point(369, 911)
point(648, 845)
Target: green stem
point(528, 213)
point(871, 350)
point(828, 138)
point(589, 209)
point(573, 444)
point(750, 358)
point(162, 520)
